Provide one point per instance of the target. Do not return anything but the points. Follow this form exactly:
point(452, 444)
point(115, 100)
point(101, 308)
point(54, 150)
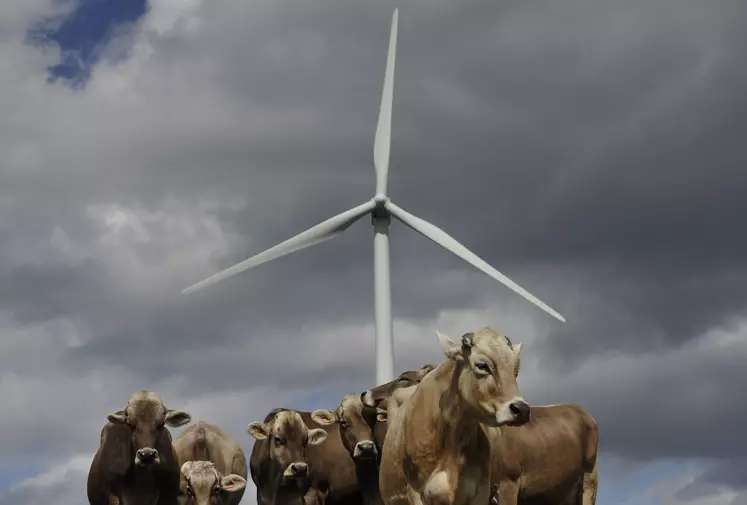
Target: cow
point(353, 422)
point(136, 461)
point(552, 459)
point(435, 451)
point(279, 460)
point(373, 396)
point(213, 466)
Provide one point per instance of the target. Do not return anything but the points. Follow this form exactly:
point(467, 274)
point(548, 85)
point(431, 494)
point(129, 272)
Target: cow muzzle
point(519, 412)
point(367, 399)
point(147, 457)
point(296, 470)
point(365, 449)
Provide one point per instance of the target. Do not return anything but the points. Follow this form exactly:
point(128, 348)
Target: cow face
point(355, 421)
point(487, 366)
point(288, 438)
point(372, 397)
point(146, 417)
point(203, 484)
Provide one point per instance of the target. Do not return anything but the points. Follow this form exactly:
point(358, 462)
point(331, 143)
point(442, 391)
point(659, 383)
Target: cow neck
point(456, 422)
point(367, 473)
point(284, 492)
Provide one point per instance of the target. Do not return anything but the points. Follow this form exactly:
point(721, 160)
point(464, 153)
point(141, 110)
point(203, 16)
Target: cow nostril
point(147, 454)
point(299, 468)
point(519, 409)
point(366, 446)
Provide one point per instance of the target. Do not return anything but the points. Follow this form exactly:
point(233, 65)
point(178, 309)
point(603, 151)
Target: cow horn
point(467, 341)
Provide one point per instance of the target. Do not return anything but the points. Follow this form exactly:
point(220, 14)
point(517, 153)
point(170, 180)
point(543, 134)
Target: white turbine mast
point(381, 209)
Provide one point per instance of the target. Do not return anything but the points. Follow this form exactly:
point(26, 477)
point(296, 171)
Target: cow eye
point(482, 366)
point(278, 441)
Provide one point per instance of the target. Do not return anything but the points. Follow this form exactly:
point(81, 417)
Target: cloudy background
point(593, 150)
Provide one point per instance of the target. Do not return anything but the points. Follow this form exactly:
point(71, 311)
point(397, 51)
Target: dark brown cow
point(373, 396)
point(334, 473)
point(353, 423)
point(279, 461)
point(136, 461)
point(213, 466)
point(435, 451)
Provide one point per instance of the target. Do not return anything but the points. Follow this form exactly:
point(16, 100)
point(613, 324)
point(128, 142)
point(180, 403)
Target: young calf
point(435, 451)
point(213, 466)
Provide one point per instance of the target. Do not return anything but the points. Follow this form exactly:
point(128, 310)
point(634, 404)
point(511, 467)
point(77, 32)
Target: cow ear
point(451, 349)
point(117, 417)
point(323, 417)
point(232, 483)
point(258, 430)
point(176, 418)
point(317, 436)
point(382, 416)
point(187, 468)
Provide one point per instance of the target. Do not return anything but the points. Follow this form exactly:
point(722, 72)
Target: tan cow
point(552, 459)
point(279, 461)
point(213, 466)
point(136, 461)
point(436, 452)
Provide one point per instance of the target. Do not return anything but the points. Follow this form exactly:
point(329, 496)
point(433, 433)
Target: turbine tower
point(381, 209)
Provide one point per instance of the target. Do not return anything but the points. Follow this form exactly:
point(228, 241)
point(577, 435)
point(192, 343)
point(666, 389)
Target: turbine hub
point(380, 200)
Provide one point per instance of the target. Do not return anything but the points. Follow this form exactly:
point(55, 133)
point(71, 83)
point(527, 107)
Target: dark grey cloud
point(589, 150)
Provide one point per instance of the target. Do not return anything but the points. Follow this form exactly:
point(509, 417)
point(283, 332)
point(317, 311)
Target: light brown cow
point(136, 461)
point(279, 461)
point(373, 396)
point(552, 459)
point(549, 460)
point(213, 466)
point(436, 452)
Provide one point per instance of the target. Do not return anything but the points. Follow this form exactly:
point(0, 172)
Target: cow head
point(372, 397)
point(487, 365)
point(203, 484)
point(355, 421)
point(288, 438)
point(387, 408)
point(146, 417)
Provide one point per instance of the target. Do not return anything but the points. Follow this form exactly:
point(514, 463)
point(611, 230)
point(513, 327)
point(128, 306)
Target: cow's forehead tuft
point(289, 423)
point(351, 404)
point(203, 473)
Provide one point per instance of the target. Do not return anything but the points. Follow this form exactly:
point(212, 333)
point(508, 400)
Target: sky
point(591, 150)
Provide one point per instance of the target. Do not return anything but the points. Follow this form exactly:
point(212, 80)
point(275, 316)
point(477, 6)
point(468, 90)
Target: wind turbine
point(381, 208)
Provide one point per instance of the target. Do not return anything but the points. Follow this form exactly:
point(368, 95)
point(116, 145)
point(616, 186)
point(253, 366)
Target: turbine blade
point(443, 239)
point(322, 232)
point(382, 141)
